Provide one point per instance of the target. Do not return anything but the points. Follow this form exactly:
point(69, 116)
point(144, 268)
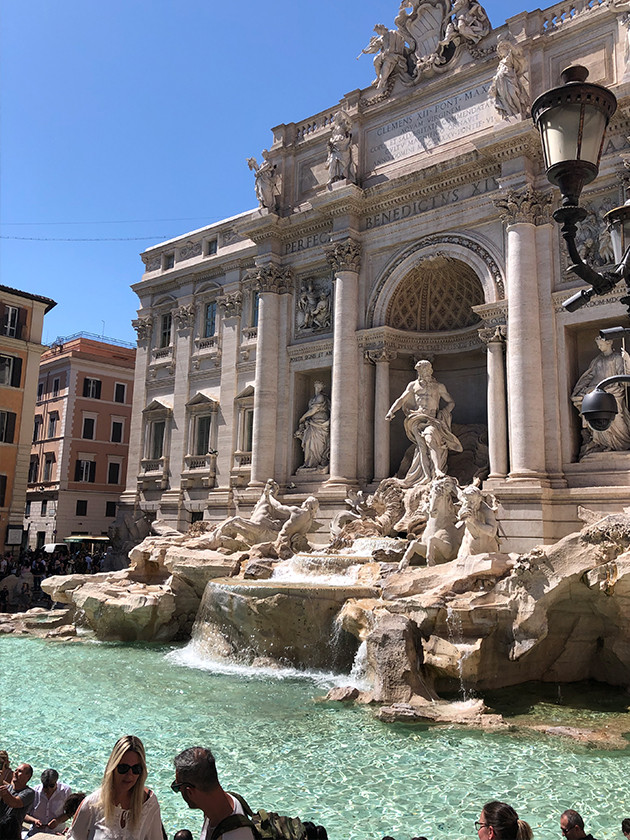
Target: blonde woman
point(122, 808)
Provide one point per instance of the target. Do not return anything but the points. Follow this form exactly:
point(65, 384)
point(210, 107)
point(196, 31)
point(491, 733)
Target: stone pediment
point(158, 404)
point(246, 392)
point(203, 397)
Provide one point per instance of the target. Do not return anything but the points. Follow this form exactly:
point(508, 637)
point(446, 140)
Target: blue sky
point(130, 121)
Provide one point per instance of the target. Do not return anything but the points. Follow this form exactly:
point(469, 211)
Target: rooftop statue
point(266, 180)
point(339, 161)
point(427, 425)
point(508, 88)
point(391, 55)
point(609, 362)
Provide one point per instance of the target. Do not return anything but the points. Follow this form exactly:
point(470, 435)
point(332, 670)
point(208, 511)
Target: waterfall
point(456, 638)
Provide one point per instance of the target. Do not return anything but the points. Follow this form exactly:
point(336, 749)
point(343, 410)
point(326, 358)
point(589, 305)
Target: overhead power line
point(86, 239)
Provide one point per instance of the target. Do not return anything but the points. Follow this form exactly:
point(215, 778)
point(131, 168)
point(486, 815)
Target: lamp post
point(572, 121)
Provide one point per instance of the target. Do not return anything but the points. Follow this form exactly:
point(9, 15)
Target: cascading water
point(456, 638)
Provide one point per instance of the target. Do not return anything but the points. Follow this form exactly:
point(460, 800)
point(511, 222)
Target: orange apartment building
point(21, 326)
point(80, 438)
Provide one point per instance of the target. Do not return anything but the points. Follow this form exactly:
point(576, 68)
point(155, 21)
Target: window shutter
point(3, 319)
point(21, 325)
point(16, 374)
point(77, 471)
point(97, 392)
point(3, 489)
point(86, 387)
point(10, 429)
point(92, 471)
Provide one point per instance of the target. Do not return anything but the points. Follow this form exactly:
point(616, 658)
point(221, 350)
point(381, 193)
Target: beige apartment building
point(80, 436)
point(21, 325)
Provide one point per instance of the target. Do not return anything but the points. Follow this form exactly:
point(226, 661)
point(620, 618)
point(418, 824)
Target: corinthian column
point(345, 259)
point(522, 211)
point(269, 281)
point(494, 339)
point(381, 359)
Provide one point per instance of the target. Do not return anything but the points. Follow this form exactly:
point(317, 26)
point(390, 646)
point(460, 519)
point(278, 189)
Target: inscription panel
point(425, 128)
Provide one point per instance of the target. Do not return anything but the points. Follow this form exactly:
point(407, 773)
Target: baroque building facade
point(411, 220)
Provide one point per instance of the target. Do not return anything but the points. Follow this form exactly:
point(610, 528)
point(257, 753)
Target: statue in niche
point(609, 362)
point(469, 23)
point(313, 308)
point(593, 237)
point(339, 160)
point(266, 180)
point(508, 88)
point(427, 425)
point(477, 515)
point(314, 432)
point(389, 46)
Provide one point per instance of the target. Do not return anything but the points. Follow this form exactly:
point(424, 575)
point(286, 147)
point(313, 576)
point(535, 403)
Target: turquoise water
point(64, 705)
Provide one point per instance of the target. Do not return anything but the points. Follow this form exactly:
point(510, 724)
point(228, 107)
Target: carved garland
point(431, 241)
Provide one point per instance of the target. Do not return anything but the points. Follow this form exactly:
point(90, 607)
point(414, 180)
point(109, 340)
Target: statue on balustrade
point(266, 180)
point(314, 432)
point(609, 362)
point(427, 425)
point(508, 87)
point(339, 161)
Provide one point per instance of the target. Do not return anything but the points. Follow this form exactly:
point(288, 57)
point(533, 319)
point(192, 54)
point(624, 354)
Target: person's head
point(572, 825)
point(195, 771)
point(380, 29)
point(72, 802)
point(21, 776)
point(424, 369)
point(125, 775)
point(604, 345)
point(183, 834)
point(4, 760)
point(499, 821)
point(318, 386)
point(49, 780)
point(625, 826)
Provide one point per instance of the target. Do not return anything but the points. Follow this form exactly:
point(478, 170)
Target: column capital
point(526, 205)
point(231, 304)
point(493, 335)
point(143, 327)
point(185, 316)
point(380, 355)
point(271, 278)
point(344, 255)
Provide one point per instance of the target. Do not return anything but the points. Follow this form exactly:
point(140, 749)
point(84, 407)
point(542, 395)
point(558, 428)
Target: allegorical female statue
point(609, 362)
point(314, 432)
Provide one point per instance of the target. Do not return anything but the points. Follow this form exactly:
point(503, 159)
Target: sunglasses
point(136, 769)
point(177, 786)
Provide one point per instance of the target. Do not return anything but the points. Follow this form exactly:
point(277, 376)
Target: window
point(52, 424)
point(40, 391)
point(44, 507)
point(48, 468)
point(165, 330)
point(248, 429)
point(11, 323)
point(3, 490)
point(7, 426)
point(92, 388)
point(120, 392)
point(210, 322)
point(27, 509)
point(255, 302)
point(85, 471)
point(113, 473)
point(117, 431)
point(211, 247)
point(156, 443)
point(202, 434)
point(33, 469)
point(37, 427)
point(110, 509)
point(169, 261)
point(88, 428)
point(81, 508)
point(55, 388)
point(10, 371)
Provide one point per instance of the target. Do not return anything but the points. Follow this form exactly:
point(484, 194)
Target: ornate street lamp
point(572, 121)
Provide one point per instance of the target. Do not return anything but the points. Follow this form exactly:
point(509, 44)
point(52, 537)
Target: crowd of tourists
point(123, 808)
point(21, 575)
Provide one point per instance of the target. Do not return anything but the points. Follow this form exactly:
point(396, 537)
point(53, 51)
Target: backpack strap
point(235, 821)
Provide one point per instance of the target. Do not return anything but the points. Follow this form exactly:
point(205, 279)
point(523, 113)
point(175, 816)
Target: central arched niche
point(436, 297)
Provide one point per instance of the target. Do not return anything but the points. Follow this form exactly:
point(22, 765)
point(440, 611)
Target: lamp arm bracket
point(611, 380)
point(602, 282)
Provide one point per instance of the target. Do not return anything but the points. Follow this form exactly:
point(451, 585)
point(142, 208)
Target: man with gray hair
point(46, 814)
point(197, 781)
point(572, 826)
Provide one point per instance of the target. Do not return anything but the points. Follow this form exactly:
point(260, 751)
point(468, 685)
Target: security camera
point(599, 409)
point(578, 300)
